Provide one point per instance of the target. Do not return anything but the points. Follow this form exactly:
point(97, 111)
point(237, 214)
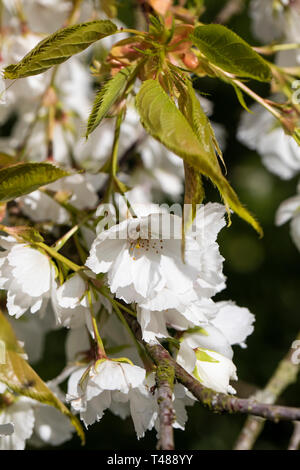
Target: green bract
point(225, 49)
point(106, 97)
point(59, 47)
point(23, 178)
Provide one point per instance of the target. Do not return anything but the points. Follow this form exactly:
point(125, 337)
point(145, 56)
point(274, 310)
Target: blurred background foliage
point(263, 275)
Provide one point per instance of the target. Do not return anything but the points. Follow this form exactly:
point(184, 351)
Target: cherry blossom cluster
point(106, 255)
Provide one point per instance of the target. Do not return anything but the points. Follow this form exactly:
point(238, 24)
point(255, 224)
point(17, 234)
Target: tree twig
point(165, 376)
point(295, 439)
point(217, 402)
point(232, 7)
point(285, 374)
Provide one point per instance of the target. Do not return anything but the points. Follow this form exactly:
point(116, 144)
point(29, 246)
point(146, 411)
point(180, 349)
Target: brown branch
point(232, 7)
point(165, 376)
point(285, 374)
point(295, 440)
point(145, 8)
point(217, 402)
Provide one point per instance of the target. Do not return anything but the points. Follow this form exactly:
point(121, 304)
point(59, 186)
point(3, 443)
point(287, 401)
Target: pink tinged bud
point(160, 6)
point(190, 61)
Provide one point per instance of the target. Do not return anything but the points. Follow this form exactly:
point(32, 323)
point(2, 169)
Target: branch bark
point(285, 374)
point(217, 402)
point(165, 376)
point(233, 7)
point(295, 440)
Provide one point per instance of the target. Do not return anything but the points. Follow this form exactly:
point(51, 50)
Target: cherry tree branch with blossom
point(217, 402)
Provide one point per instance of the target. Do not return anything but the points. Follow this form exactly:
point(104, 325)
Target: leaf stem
point(100, 346)
point(59, 257)
point(257, 98)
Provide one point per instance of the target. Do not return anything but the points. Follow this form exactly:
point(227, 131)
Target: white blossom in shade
point(13, 48)
point(118, 338)
point(275, 19)
point(21, 415)
point(39, 206)
point(27, 275)
point(36, 148)
point(90, 391)
point(83, 195)
point(163, 167)
point(50, 426)
point(212, 369)
point(260, 131)
point(31, 420)
point(72, 97)
point(46, 15)
point(93, 153)
point(142, 256)
point(289, 210)
point(268, 21)
point(77, 343)
point(29, 326)
point(74, 89)
point(71, 304)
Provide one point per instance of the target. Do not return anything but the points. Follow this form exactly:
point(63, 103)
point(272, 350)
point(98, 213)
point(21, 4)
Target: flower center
point(141, 246)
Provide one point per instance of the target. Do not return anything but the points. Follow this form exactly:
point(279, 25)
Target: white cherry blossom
point(42, 15)
point(29, 326)
point(21, 415)
point(260, 131)
point(212, 369)
point(289, 210)
point(90, 391)
point(31, 420)
point(143, 407)
point(268, 22)
point(71, 303)
point(27, 275)
point(142, 256)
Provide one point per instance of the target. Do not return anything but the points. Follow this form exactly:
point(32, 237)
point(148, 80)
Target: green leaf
point(106, 97)
point(241, 98)
point(193, 195)
point(23, 178)
point(59, 47)
point(23, 233)
point(191, 140)
point(194, 191)
point(109, 7)
point(17, 374)
point(225, 49)
point(6, 160)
